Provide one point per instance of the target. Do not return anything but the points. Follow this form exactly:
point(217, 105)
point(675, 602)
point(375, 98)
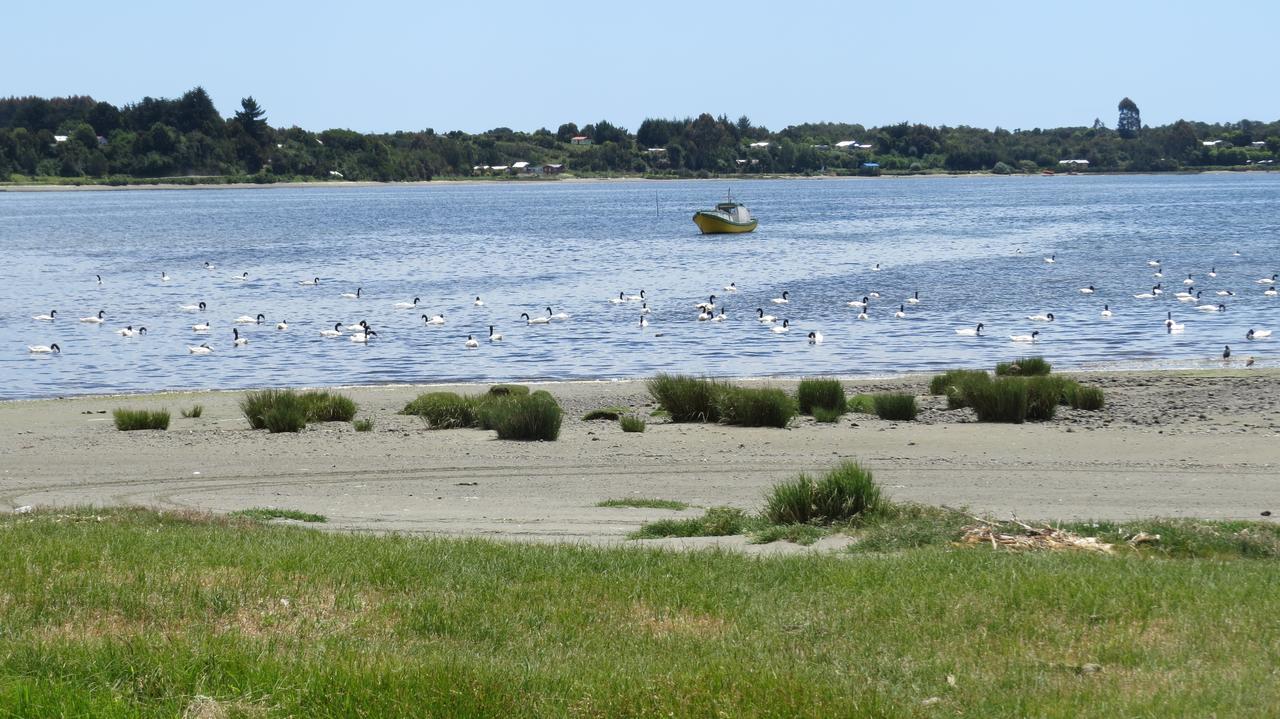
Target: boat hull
point(713, 224)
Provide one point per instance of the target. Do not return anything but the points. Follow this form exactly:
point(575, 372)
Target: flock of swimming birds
point(712, 310)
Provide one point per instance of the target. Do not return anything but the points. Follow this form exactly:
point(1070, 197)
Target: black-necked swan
point(433, 319)
point(1106, 310)
point(1257, 334)
point(534, 320)
point(1086, 290)
point(914, 299)
point(621, 298)
point(971, 331)
point(644, 321)
point(876, 268)
point(164, 277)
point(202, 327)
point(1025, 338)
point(1189, 281)
point(407, 305)
point(767, 319)
point(710, 304)
point(95, 320)
point(720, 317)
point(780, 300)
point(247, 320)
point(1041, 318)
point(644, 308)
point(335, 332)
point(53, 314)
point(1051, 259)
point(360, 326)
point(1270, 291)
point(282, 325)
point(479, 302)
point(494, 336)
point(815, 338)
point(129, 331)
point(705, 315)
point(1153, 263)
point(193, 308)
point(901, 313)
point(1212, 308)
point(364, 337)
point(209, 265)
point(471, 343)
point(351, 295)
point(203, 349)
point(636, 298)
point(1213, 272)
point(1268, 280)
point(99, 278)
point(1172, 326)
point(856, 303)
point(731, 287)
point(239, 341)
point(863, 315)
point(312, 281)
point(557, 316)
point(784, 327)
point(242, 277)
point(44, 349)
point(1225, 293)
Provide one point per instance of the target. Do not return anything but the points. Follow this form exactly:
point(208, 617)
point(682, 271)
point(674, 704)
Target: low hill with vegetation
point(78, 139)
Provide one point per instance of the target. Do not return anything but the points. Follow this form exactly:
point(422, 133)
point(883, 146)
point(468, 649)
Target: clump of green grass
point(643, 503)
point(443, 410)
point(1087, 398)
point(287, 415)
point(716, 522)
point(898, 407)
point(844, 493)
point(631, 423)
point(328, 406)
point(507, 390)
point(362, 425)
point(899, 527)
point(1001, 400)
point(955, 378)
point(266, 514)
point(255, 405)
point(755, 407)
point(524, 417)
point(128, 420)
point(817, 393)
point(193, 413)
point(961, 385)
point(827, 416)
point(1024, 367)
point(1043, 396)
point(685, 398)
point(862, 404)
point(610, 413)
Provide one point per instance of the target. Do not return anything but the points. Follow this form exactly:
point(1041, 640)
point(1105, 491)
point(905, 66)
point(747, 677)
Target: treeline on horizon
point(155, 138)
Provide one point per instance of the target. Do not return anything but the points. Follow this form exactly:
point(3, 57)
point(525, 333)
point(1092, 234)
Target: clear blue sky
point(385, 64)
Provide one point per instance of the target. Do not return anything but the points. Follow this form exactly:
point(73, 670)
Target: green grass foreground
point(132, 613)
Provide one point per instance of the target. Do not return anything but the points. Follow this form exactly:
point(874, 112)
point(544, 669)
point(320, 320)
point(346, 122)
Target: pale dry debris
point(1032, 538)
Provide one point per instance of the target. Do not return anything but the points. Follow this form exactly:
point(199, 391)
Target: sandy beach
point(1200, 444)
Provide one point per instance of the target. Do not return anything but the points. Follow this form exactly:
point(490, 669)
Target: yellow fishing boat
point(728, 217)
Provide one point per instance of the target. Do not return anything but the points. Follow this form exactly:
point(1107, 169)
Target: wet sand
point(1177, 444)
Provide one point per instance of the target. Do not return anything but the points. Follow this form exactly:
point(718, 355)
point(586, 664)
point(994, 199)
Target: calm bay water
point(972, 247)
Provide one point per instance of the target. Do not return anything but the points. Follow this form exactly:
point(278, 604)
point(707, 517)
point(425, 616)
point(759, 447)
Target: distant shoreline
point(92, 187)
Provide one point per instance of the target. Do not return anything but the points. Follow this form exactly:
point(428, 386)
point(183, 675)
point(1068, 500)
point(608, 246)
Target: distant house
point(1258, 144)
point(500, 168)
point(59, 138)
point(521, 166)
point(761, 144)
point(580, 140)
point(852, 145)
point(335, 173)
point(1074, 163)
point(656, 151)
point(871, 165)
point(102, 141)
point(548, 169)
point(1211, 143)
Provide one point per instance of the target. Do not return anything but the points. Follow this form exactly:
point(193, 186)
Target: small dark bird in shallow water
point(1226, 352)
point(1248, 362)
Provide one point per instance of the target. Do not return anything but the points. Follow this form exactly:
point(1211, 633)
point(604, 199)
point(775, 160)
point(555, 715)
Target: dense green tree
point(567, 132)
point(1130, 122)
point(252, 119)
